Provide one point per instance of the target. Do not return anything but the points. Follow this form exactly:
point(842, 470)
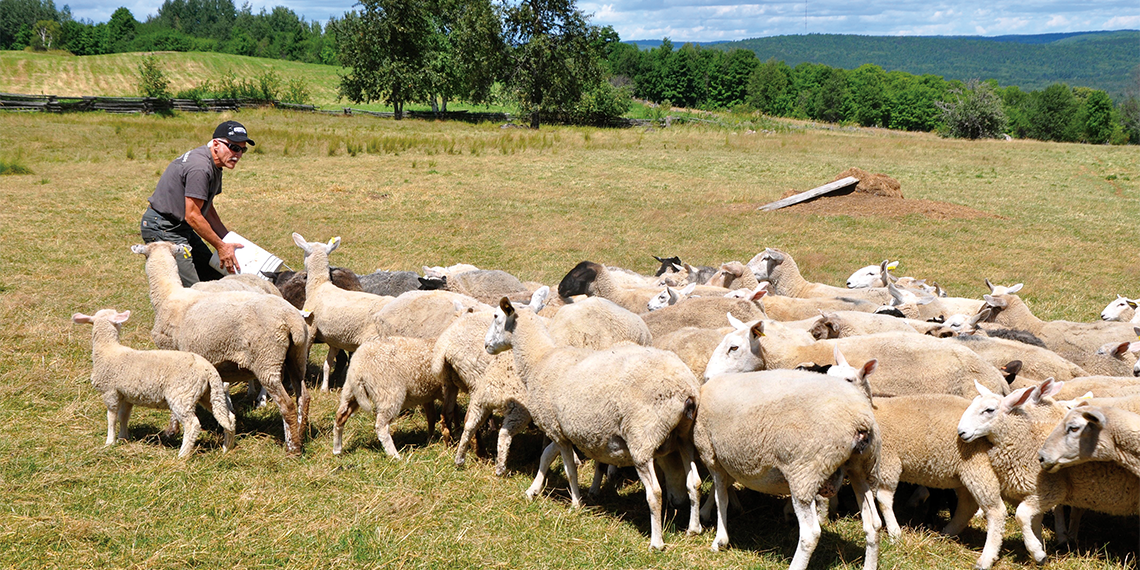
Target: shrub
point(973, 112)
point(13, 167)
point(152, 79)
point(297, 92)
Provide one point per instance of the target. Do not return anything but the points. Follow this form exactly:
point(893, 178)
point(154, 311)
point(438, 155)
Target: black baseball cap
point(232, 131)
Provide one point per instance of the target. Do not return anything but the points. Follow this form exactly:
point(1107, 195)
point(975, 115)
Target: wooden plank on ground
point(810, 194)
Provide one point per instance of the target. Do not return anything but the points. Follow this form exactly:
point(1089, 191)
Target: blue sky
point(712, 20)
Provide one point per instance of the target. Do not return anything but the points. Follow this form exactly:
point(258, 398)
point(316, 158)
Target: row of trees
point(179, 25)
point(710, 78)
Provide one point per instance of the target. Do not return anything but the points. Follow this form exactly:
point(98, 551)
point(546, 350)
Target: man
point(182, 207)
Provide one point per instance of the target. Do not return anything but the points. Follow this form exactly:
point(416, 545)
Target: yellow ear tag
point(892, 265)
point(305, 314)
point(185, 252)
point(332, 241)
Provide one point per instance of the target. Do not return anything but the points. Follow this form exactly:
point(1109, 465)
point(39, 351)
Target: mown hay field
point(1059, 218)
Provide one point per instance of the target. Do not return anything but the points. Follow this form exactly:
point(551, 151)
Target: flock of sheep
point(743, 370)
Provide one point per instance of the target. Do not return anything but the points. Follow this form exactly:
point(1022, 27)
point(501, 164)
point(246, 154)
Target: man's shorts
point(192, 269)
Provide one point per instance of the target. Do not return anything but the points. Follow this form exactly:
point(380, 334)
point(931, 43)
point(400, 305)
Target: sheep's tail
point(222, 409)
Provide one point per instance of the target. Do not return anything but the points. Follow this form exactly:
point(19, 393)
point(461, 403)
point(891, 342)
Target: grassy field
point(1061, 218)
point(116, 75)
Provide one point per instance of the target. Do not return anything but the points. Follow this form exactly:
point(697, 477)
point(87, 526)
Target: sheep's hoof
point(658, 546)
point(500, 471)
point(460, 465)
point(694, 531)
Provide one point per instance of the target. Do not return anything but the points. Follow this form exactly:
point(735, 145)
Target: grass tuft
point(13, 167)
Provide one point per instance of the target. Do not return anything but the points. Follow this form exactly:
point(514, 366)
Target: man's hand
point(226, 257)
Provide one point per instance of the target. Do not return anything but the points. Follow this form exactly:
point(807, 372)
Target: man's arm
point(210, 228)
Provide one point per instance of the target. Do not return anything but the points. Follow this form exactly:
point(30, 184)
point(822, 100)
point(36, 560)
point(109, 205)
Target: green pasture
point(1060, 218)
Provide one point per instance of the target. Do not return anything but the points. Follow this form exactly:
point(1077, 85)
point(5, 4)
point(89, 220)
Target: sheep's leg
point(432, 416)
point(326, 368)
point(543, 465)
point(570, 465)
point(995, 525)
point(450, 422)
point(476, 415)
point(288, 411)
point(1074, 526)
point(515, 420)
point(720, 492)
point(596, 484)
point(124, 418)
point(671, 471)
point(692, 485)
point(809, 531)
point(871, 523)
point(1029, 515)
point(967, 506)
point(112, 417)
point(191, 428)
point(172, 427)
point(886, 498)
point(648, 476)
point(348, 406)
point(384, 430)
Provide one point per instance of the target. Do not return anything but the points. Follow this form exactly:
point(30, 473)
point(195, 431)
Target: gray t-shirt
point(192, 175)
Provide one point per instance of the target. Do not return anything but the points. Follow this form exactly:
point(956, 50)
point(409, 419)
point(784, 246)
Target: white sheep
point(1016, 425)
point(388, 375)
point(240, 333)
point(163, 379)
point(734, 275)
point(594, 279)
point(597, 323)
point(781, 271)
point(1122, 309)
point(423, 314)
point(239, 282)
point(694, 345)
point(669, 296)
point(870, 276)
point(1094, 433)
point(621, 406)
point(702, 312)
point(339, 318)
point(908, 363)
point(753, 428)
point(1037, 363)
point(486, 285)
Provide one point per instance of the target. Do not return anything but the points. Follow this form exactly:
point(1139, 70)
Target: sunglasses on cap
point(234, 147)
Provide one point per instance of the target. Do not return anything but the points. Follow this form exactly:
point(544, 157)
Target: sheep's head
point(669, 296)
point(1002, 290)
point(1115, 310)
point(500, 335)
point(739, 350)
point(310, 246)
point(110, 315)
point(668, 265)
point(580, 280)
point(851, 374)
point(987, 409)
point(146, 249)
point(870, 276)
point(1076, 439)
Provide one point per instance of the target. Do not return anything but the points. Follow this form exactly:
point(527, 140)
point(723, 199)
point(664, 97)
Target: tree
point(552, 56)
point(1052, 114)
point(384, 46)
point(46, 32)
point(152, 79)
point(868, 97)
point(768, 88)
point(973, 111)
point(1098, 117)
point(22, 15)
point(121, 28)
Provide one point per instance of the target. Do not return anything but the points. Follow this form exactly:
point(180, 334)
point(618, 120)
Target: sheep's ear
point(1120, 349)
point(839, 357)
point(1137, 331)
point(506, 306)
point(775, 256)
point(1050, 387)
point(334, 243)
point(735, 322)
point(982, 389)
point(758, 293)
point(1131, 303)
point(659, 259)
point(121, 318)
point(981, 316)
point(996, 301)
point(893, 265)
point(539, 297)
point(688, 290)
point(1095, 417)
point(1014, 289)
point(81, 318)
point(301, 243)
point(1018, 398)
point(990, 285)
point(139, 248)
point(757, 329)
point(870, 366)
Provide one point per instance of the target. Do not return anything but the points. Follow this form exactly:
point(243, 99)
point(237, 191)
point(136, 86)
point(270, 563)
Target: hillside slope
point(117, 75)
point(1102, 60)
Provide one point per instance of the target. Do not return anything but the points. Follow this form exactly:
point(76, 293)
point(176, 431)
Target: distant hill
point(1102, 60)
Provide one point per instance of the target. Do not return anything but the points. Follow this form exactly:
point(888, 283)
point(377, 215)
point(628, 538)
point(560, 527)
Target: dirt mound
point(878, 195)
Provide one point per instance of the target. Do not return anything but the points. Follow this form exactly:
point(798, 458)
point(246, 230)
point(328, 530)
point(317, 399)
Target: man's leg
point(154, 227)
point(202, 254)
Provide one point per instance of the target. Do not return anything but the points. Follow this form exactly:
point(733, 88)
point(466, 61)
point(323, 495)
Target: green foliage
point(1052, 114)
point(868, 96)
point(1130, 119)
point(602, 104)
point(1098, 117)
point(18, 18)
point(45, 33)
point(768, 88)
point(973, 111)
point(152, 80)
point(13, 166)
point(553, 57)
point(297, 91)
point(384, 46)
point(121, 28)
point(269, 85)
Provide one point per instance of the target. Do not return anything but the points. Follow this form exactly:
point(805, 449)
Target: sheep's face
point(980, 417)
point(666, 297)
point(869, 276)
point(1116, 309)
point(738, 351)
point(1074, 440)
point(499, 335)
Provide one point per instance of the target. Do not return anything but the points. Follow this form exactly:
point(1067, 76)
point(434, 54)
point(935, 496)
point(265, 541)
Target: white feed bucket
point(251, 257)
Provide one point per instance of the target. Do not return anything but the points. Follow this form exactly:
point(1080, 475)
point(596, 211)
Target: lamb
point(921, 446)
point(1017, 425)
point(621, 406)
point(598, 323)
point(908, 363)
point(1122, 309)
point(750, 429)
point(239, 282)
point(388, 283)
point(1076, 342)
point(589, 278)
point(164, 379)
point(339, 318)
point(291, 284)
point(781, 270)
point(694, 345)
point(1093, 433)
point(388, 375)
point(240, 333)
